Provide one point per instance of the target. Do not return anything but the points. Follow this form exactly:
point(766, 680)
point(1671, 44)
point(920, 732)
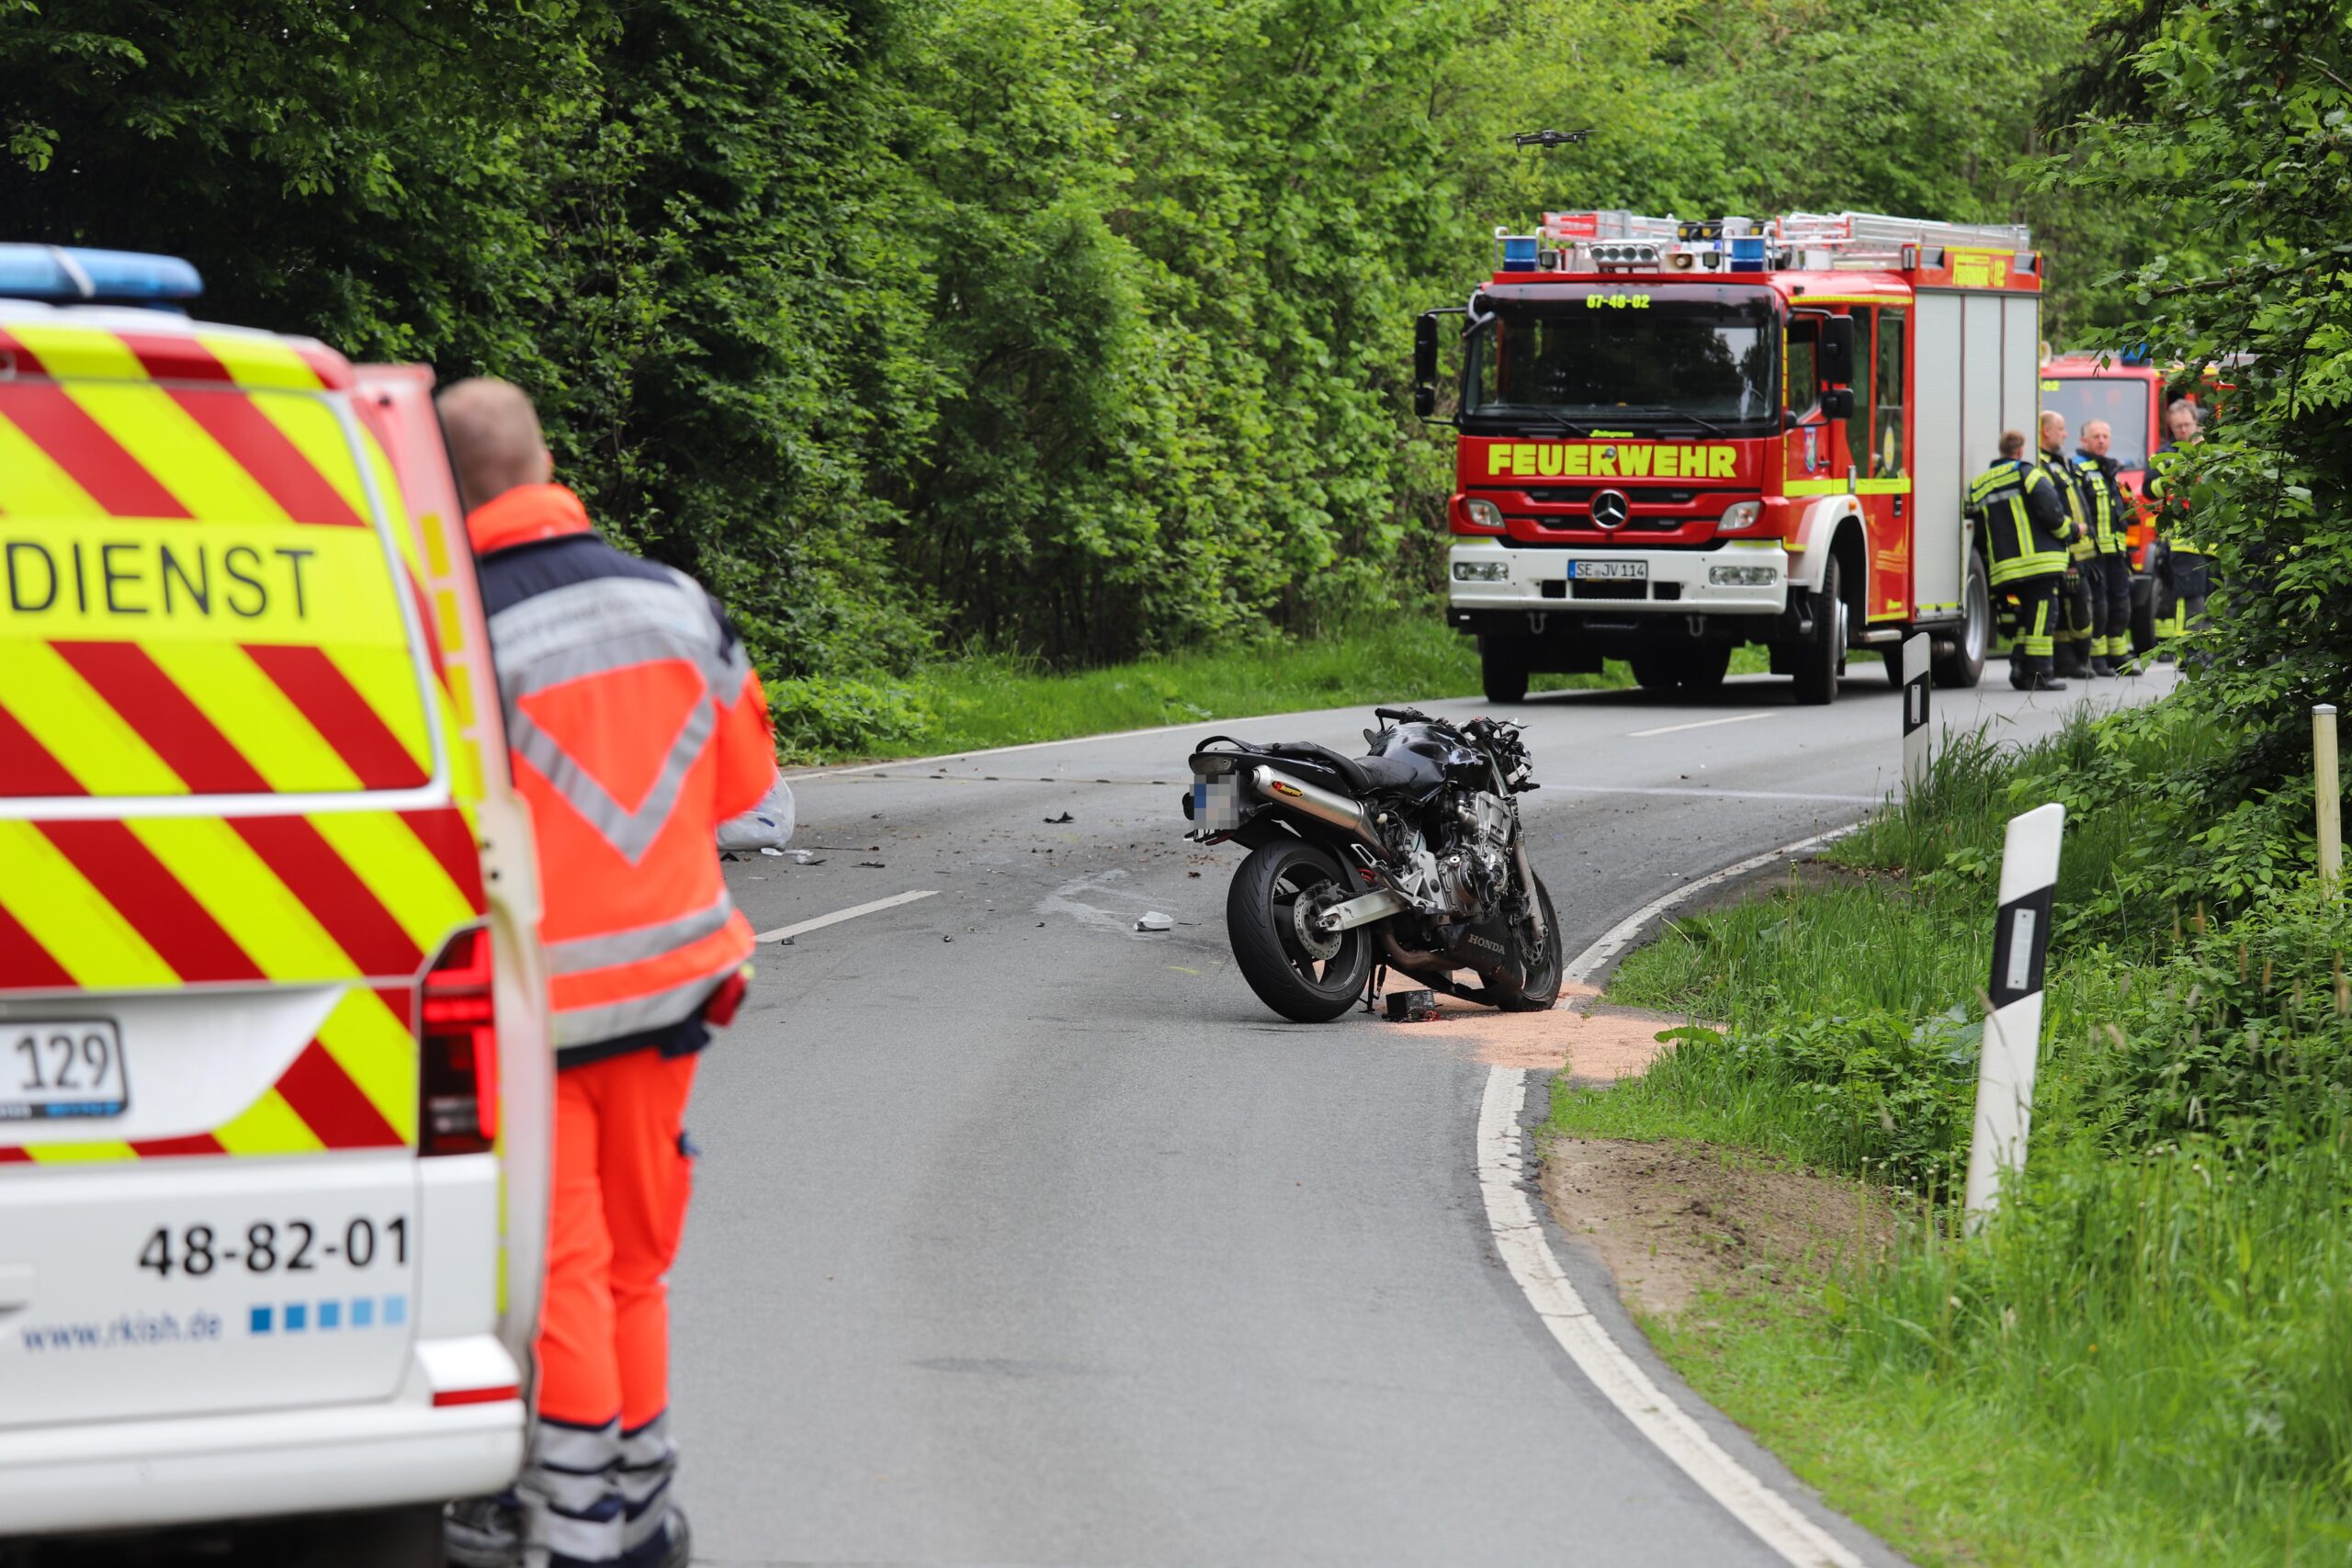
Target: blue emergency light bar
point(69, 275)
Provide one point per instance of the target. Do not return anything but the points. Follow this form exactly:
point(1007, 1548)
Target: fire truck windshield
point(2121, 400)
point(1625, 356)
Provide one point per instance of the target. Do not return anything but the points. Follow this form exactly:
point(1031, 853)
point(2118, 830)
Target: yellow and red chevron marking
point(190, 566)
point(154, 902)
point(353, 1085)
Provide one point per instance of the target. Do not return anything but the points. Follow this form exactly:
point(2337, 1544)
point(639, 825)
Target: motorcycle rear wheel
point(1260, 919)
point(1543, 969)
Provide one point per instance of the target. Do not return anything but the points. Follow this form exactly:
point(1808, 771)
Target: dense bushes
point(1071, 328)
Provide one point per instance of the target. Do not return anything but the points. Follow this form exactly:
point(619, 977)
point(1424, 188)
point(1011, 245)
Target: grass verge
point(2147, 1357)
point(986, 700)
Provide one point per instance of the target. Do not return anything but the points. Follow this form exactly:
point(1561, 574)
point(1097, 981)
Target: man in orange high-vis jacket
point(637, 727)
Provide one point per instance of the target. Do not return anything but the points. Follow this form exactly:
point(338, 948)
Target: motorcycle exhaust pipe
point(1323, 805)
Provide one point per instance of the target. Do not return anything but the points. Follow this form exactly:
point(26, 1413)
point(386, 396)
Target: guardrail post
point(2328, 795)
point(1917, 683)
point(2013, 1027)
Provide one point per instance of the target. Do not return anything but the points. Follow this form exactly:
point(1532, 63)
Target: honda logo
point(1609, 509)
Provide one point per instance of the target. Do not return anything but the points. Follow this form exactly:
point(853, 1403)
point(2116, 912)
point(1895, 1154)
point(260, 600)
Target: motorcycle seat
point(1370, 775)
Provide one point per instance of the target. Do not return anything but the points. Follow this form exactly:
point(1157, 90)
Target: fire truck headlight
point(1742, 576)
point(1484, 514)
point(1741, 515)
point(1480, 571)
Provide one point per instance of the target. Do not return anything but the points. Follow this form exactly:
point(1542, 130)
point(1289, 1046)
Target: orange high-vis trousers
point(601, 1458)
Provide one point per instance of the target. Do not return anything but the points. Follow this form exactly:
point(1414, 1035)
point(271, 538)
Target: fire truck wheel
point(1502, 668)
point(1702, 669)
point(1656, 671)
point(1963, 664)
point(2144, 616)
point(1818, 659)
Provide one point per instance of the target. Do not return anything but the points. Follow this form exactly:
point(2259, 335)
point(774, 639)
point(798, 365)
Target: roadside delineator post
point(2328, 795)
point(2013, 1029)
point(1916, 682)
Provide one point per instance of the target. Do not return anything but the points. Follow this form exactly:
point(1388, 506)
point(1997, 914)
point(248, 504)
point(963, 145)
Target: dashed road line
point(838, 916)
point(1700, 724)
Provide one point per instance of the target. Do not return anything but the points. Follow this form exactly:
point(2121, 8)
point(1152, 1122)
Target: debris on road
point(1155, 921)
point(1057, 821)
point(872, 865)
point(1412, 1007)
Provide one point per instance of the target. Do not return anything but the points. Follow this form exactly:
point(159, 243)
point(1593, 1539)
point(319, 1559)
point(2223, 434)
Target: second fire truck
point(1678, 437)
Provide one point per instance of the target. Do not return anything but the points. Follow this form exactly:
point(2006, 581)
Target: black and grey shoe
point(483, 1532)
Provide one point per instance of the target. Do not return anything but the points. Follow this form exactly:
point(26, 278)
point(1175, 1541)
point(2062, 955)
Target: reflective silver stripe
point(585, 628)
point(630, 833)
point(583, 953)
point(585, 1026)
point(582, 1450)
point(586, 1540)
point(648, 1458)
point(643, 1521)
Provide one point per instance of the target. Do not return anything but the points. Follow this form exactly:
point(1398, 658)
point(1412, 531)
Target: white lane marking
point(1521, 1243)
point(838, 916)
point(1619, 937)
point(1700, 724)
point(1518, 1238)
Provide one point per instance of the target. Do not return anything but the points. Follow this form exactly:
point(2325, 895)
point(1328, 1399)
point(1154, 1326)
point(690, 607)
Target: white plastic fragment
point(1155, 921)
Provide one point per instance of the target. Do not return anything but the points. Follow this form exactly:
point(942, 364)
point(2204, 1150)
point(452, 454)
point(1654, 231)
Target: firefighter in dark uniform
point(2185, 572)
point(2095, 477)
point(2019, 506)
point(2077, 617)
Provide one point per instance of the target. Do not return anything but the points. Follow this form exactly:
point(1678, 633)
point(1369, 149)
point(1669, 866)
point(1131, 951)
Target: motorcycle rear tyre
point(1544, 977)
point(1264, 949)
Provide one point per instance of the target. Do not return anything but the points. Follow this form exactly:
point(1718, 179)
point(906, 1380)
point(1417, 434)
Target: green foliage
point(2160, 1311)
point(2238, 114)
point(1073, 329)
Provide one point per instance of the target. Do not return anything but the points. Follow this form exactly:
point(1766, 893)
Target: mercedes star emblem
point(1609, 509)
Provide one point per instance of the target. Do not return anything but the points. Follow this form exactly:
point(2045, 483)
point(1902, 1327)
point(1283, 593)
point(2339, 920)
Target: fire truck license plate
point(61, 1066)
point(1621, 570)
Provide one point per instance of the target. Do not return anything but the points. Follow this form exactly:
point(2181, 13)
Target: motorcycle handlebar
point(1415, 714)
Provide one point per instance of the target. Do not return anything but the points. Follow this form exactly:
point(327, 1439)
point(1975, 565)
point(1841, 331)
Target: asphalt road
point(1022, 1238)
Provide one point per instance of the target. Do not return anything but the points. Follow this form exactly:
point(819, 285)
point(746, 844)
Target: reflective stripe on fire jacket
point(638, 726)
point(2023, 518)
point(2076, 529)
point(2103, 500)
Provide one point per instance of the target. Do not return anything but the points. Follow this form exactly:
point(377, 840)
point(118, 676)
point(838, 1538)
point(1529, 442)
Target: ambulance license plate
point(53, 1068)
point(1617, 571)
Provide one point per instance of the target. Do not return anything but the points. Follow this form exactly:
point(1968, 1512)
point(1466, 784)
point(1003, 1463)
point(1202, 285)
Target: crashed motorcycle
point(1411, 856)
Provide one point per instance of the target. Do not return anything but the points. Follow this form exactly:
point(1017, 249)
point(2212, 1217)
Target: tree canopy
point(1078, 328)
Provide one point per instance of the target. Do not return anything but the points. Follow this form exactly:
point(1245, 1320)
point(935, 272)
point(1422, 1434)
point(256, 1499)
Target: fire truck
point(2130, 394)
point(1676, 437)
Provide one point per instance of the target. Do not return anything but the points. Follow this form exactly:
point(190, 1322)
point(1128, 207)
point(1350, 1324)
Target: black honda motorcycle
point(1411, 855)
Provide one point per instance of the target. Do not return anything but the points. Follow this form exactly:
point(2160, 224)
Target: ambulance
point(1677, 437)
point(275, 1075)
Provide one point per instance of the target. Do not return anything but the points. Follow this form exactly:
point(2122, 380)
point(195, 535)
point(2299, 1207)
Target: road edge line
point(1526, 1251)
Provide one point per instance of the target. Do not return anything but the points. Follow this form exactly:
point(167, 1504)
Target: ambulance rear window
point(196, 598)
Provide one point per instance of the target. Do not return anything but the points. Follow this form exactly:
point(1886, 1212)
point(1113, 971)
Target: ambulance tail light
point(456, 1040)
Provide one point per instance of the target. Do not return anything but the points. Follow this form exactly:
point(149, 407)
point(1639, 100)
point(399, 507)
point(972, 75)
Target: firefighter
point(637, 726)
point(2184, 571)
point(2102, 496)
point(2077, 619)
point(2024, 519)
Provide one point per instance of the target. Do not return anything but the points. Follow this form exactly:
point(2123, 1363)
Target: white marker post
point(2327, 795)
point(2013, 1030)
point(1916, 682)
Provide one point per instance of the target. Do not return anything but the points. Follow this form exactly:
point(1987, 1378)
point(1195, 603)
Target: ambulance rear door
point(236, 881)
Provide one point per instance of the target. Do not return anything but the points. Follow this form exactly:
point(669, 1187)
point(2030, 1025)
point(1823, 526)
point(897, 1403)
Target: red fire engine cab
point(1677, 437)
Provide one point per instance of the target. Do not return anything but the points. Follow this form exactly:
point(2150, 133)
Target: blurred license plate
point(1216, 802)
point(61, 1066)
point(1622, 570)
